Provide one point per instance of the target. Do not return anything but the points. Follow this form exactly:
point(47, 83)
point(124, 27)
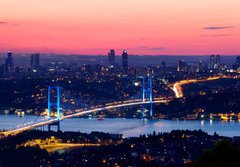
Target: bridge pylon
point(54, 104)
point(147, 90)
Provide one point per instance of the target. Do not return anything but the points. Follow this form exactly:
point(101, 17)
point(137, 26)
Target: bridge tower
point(147, 90)
point(54, 104)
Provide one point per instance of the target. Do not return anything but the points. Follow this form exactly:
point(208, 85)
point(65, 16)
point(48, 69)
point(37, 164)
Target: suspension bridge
point(146, 99)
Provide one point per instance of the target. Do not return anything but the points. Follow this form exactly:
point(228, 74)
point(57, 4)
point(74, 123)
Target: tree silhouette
point(224, 154)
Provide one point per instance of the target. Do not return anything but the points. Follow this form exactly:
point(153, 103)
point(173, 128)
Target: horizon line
point(118, 55)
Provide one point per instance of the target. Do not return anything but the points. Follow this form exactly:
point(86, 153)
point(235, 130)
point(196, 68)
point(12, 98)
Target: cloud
point(217, 35)
point(3, 22)
point(157, 48)
point(150, 48)
point(217, 27)
point(142, 39)
point(142, 47)
point(7, 23)
point(95, 49)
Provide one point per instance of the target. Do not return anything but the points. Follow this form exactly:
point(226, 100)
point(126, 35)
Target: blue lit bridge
point(147, 99)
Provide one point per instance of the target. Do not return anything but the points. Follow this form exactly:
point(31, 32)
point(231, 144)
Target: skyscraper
point(200, 66)
point(237, 65)
point(1, 60)
point(163, 64)
point(111, 57)
point(9, 62)
point(125, 61)
point(238, 60)
point(218, 61)
point(9, 66)
point(182, 66)
point(34, 61)
point(215, 62)
point(211, 63)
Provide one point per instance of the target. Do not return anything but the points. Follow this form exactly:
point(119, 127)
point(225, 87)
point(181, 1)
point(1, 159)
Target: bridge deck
point(78, 113)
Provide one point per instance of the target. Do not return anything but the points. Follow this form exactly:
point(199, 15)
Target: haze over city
point(142, 27)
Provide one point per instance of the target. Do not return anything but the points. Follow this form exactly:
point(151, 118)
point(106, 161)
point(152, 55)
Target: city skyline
point(119, 83)
point(141, 27)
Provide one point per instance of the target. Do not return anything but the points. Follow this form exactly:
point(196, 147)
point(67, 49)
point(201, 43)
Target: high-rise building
point(182, 65)
point(35, 61)
point(237, 64)
point(5, 70)
point(215, 62)
point(238, 60)
point(200, 66)
point(218, 61)
point(211, 63)
point(111, 57)
point(125, 60)
point(9, 63)
point(163, 64)
point(1, 60)
point(9, 66)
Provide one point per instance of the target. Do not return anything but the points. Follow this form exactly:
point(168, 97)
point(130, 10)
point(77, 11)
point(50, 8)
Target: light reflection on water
point(131, 127)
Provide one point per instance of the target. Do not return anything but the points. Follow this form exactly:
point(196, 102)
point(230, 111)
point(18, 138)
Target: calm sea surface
point(129, 127)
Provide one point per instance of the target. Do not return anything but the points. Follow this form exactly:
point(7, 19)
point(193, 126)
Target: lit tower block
point(54, 104)
point(147, 91)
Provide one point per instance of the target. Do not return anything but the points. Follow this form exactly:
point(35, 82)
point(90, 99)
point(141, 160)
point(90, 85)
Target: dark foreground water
point(129, 127)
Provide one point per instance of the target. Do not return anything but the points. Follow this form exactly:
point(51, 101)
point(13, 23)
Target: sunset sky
point(152, 27)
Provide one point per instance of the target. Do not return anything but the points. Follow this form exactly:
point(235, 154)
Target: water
point(130, 127)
